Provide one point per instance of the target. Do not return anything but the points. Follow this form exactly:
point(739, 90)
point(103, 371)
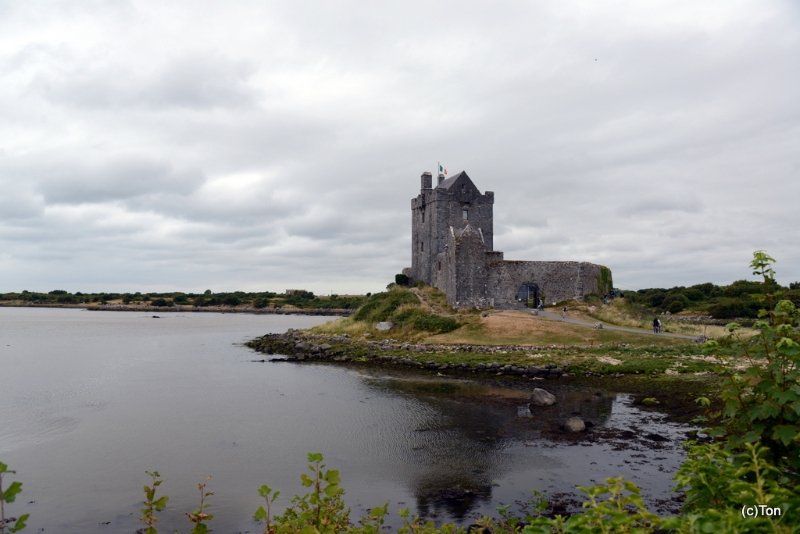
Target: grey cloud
point(291, 136)
point(17, 201)
point(122, 178)
point(193, 81)
point(655, 205)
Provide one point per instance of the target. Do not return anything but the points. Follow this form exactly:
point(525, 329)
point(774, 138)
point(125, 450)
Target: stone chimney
point(427, 179)
point(441, 178)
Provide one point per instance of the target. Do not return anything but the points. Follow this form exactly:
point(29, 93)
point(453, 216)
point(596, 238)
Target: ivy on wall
point(604, 281)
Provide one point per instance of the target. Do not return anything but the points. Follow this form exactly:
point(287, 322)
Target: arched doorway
point(529, 294)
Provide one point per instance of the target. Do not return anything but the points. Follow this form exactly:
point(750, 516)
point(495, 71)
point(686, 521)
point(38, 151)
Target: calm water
point(91, 400)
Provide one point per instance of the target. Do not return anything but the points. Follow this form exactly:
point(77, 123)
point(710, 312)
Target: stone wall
point(471, 276)
point(557, 280)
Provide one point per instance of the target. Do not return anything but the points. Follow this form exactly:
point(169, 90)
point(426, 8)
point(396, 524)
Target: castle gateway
point(452, 249)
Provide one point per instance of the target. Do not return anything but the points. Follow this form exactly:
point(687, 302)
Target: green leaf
point(332, 476)
point(20, 524)
point(10, 494)
point(314, 457)
point(785, 434)
point(260, 514)
point(161, 503)
point(305, 480)
point(331, 490)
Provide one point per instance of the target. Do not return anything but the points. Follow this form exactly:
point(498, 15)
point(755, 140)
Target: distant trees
point(300, 299)
point(721, 302)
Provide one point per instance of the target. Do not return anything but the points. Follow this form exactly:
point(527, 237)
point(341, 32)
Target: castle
point(452, 249)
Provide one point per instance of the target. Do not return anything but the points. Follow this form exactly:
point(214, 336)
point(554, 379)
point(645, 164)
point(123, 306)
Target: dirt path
point(558, 317)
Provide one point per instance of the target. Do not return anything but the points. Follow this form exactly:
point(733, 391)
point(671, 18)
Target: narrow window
point(423, 215)
point(421, 246)
point(464, 215)
point(440, 266)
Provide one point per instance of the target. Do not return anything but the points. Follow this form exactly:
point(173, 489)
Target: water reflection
point(176, 394)
point(461, 450)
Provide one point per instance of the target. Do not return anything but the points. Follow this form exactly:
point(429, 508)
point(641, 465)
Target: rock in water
point(384, 326)
point(574, 424)
point(540, 397)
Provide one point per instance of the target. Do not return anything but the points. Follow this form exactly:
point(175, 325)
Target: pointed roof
point(461, 177)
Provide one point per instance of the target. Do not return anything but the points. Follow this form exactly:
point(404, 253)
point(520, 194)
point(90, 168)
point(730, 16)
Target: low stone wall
point(557, 280)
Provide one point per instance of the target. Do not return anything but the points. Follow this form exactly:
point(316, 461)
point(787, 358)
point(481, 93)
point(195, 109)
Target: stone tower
point(452, 249)
point(454, 203)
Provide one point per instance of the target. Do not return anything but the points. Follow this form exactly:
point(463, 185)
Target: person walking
point(656, 326)
point(564, 313)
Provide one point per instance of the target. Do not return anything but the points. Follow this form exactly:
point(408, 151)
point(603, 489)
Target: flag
point(442, 170)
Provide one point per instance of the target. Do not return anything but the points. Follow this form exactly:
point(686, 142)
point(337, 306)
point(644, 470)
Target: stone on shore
point(574, 424)
point(540, 397)
point(384, 326)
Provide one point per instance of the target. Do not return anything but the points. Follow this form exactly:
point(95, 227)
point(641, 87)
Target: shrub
point(732, 308)
point(675, 302)
point(401, 280)
point(742, 288)
point(380, 306)
point(694, 294)
point(654, 297)
point(675, 307)
point(419, 319)
point(232, 300)
point(708, 289)
point(161, 302)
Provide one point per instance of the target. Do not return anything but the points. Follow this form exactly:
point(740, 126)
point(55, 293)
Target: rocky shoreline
point(672, 393)
point(299, 346)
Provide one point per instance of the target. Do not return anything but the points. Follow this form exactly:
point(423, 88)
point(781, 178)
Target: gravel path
point(558, 317)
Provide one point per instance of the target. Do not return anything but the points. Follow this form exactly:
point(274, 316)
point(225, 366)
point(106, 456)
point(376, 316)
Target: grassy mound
point(380, 306)
point(398, 305)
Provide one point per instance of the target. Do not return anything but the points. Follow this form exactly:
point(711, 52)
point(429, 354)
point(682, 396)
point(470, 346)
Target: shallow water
point(91, 400)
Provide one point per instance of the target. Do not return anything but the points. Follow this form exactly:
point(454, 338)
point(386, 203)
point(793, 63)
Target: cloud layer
point(263, 145)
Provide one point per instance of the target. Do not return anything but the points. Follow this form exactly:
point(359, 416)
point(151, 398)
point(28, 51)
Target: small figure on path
point(605, 298)
point(656, 326)
point(564, 313)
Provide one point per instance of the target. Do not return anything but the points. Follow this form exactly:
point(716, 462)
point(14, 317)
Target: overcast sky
point(265, 145)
